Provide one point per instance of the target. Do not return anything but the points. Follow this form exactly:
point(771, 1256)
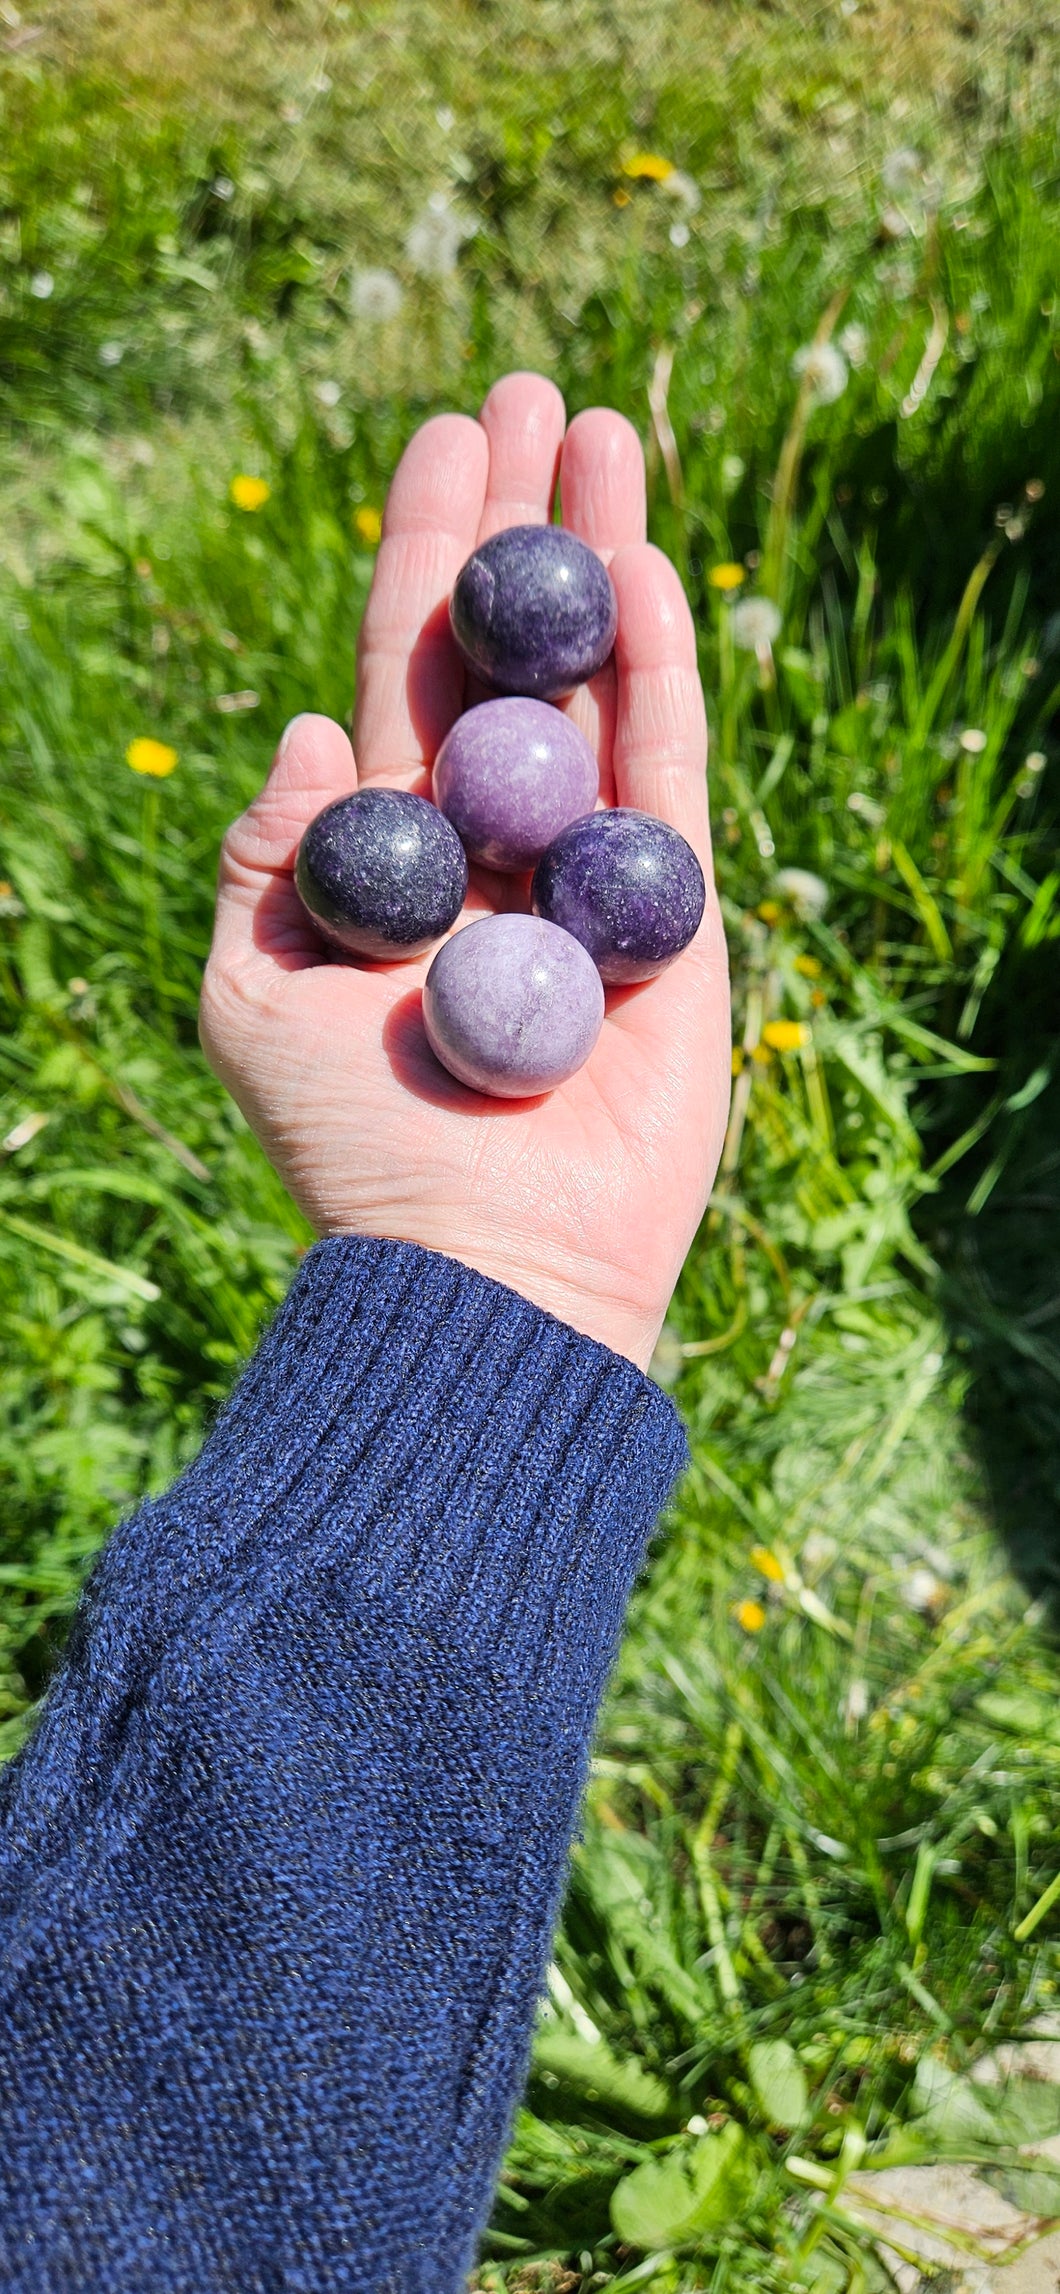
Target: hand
point(586, 1200)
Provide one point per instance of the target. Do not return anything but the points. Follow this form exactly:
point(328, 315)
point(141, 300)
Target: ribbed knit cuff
point(457, 1447)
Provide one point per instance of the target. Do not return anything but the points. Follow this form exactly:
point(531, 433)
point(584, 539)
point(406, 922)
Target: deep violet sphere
point(381, 873)
point(510, 775)
point(512, 1006)
point(533, 610)
point(627, 886)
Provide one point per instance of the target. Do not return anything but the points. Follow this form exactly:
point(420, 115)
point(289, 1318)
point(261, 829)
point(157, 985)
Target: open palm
point(584, 1200)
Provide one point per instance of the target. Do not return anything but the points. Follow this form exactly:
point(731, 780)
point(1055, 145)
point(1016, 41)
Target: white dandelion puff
point(854, 344)
point(683, 188)
point(824, 369)
point(679, 234)
point(375, 296)
point(434, 242)
point(111, 354)
point(755, 624)
point(328, 393)
point(805, 892)
point(42, 285)
point(900, 171)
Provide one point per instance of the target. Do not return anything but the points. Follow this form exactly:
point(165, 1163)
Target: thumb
point(313, 765)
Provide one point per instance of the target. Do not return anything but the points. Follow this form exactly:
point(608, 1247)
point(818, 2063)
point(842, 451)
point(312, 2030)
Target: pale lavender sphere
point(509, 776)
point(512, 1006)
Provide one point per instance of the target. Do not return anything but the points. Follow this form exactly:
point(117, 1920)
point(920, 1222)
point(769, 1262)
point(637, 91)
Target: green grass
point(821, 1831)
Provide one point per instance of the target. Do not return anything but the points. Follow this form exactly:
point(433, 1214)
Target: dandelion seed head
point(42, 285)
point(900, 171)
point(755, 623)
point(328, 393)
point(855, 1705)
point(434, 242)
point(854, 344)
point(823, 367)
point(805, 892)
point(375, 295)
point(921, 1590)
point(684, 188)
point(679, 234)
point(973, 741)
point(111, 354)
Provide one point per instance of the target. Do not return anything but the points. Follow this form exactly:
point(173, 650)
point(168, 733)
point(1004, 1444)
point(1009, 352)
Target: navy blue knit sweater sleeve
point(280, 1866)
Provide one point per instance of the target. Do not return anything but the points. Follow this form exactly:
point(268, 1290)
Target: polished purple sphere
point(510, 775)
point(512, 1006)
point(381, 873)
point(627, 886)
point(534, 611)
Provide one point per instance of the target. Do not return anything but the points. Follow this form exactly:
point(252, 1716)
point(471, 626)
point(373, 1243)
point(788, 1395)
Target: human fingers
point(660, 740)
point(523, 417)
point(409, 675)
point(259, 914)
point(602, 490)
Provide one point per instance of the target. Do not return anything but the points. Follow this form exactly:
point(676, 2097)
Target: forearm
point(279, 1870)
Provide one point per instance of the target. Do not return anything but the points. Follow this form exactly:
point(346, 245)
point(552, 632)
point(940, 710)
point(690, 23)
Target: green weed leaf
point(669, 2201)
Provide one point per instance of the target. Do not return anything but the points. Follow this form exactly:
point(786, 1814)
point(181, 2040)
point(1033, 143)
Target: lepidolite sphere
point(627, 886)
point(381, 873)
point(510, 775)
point(512, 1006)
point(534, 611)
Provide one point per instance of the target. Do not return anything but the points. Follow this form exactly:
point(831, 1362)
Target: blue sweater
point(280, 1866)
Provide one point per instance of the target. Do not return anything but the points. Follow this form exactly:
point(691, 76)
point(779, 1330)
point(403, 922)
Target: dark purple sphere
point(381, 873)
point(625, 885)
point(512, 1006)
point(533, 611)
point(509, 775)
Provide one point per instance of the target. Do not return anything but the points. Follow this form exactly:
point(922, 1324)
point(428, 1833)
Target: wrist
point(586, 1299)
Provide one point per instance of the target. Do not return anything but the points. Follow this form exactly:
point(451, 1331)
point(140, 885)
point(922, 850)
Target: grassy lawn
point(816, 1876)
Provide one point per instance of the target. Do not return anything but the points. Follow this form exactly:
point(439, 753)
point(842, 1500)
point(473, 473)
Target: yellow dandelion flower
point(249, 493)
point(369, 525)
point(751, 1615)
point(810, 967)
point(155, 758)
point(818, 998)
point(737, 1058)
point(727, 576)
point(768, 1564)
point(761, 1054)
point(648, 167)
point(769, 911)
point(786, 1035)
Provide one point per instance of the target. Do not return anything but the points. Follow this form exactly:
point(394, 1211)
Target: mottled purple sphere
point(510, 775)
point(534, 611)
point(512, 1006)
point(381, 873)
point(627, 886)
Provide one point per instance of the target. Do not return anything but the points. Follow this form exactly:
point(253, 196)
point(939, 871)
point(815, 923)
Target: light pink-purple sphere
point(509, 776)
point(512, 1006)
